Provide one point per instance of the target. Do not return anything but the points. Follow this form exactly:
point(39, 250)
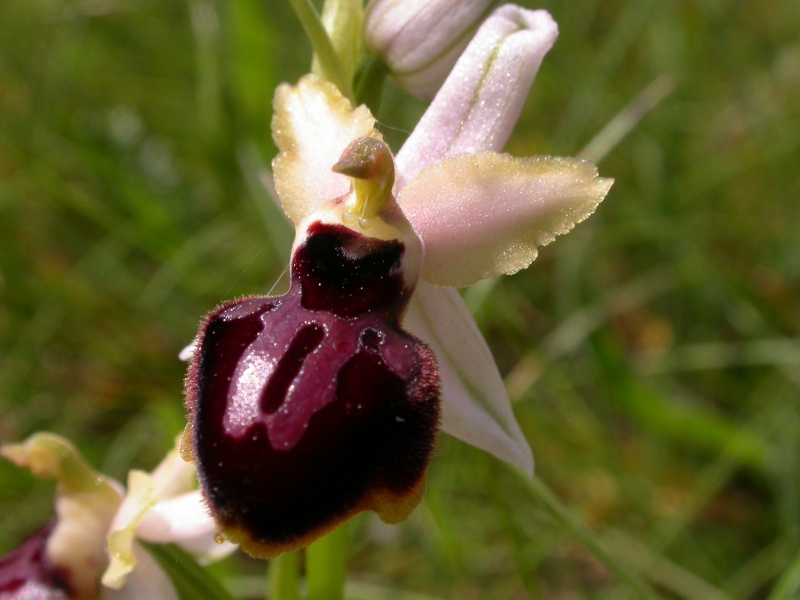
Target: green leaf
point(191, 581)
point(369, 83)
point(566, 519)
point(788, 586)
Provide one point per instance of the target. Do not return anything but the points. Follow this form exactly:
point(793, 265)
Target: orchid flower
point(308, 408)
point(94, 514)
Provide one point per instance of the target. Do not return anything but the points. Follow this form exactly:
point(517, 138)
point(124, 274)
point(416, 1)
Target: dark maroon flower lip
point(308, 408)
point(349, 274)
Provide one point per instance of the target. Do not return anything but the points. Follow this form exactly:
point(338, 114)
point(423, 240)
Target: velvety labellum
point(308, 408)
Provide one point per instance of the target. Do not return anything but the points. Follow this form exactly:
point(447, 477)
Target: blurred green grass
point(652, 353)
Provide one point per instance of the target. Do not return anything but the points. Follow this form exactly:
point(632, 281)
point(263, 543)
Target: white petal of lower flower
point(173, 475)
point(302, 170)
point(481, 100)
point(185, 519)
point(475, 405)
point(484, 214)
point(177, 519)
point(207, 549)
point(147, 581)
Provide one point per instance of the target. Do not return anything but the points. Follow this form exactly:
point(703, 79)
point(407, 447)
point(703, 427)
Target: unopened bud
point(421, 40)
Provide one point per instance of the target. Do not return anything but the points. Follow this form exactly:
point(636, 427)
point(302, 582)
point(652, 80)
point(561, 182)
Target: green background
point(652, 353)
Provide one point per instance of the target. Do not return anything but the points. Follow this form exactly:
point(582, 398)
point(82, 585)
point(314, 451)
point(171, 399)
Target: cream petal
point(85, 505)
point(482, 215)
point(312, 125)
point(147, 581)
point(480, 102)
point(162, 506)
point(140, 499)
point(475, 405)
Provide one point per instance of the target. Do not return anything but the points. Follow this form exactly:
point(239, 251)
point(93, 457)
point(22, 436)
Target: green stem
point(369, 84)
point(548, 500)
point(330, 68)
point(326, 561)
point(284, 577)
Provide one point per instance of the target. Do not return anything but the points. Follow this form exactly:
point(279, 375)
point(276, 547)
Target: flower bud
point(420, 40)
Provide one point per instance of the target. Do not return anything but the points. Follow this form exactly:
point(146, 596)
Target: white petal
point(185, 519)
point(148, 581)
point(173, 475)
point(175, 519)
point(207, 548)
point(188, 352)
point(475, 405)
point(479, 104)
point(482, 215)
point(312, 125)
